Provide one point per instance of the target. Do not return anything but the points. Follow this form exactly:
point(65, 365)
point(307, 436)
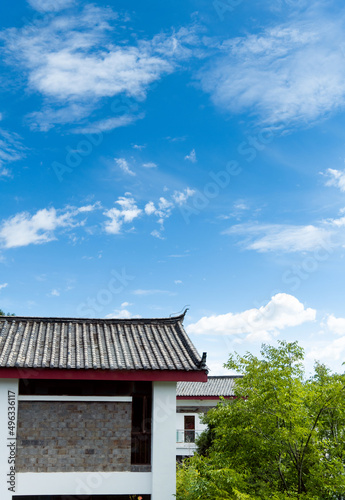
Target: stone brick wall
point(73, 436)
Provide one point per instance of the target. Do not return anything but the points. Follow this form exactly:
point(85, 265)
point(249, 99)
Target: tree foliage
point(2, 313)
point(282, 437)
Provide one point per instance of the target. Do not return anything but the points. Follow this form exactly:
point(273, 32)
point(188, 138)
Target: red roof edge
point(91, 374)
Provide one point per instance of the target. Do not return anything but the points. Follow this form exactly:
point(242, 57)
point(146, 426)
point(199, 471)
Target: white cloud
point(126, 304)
point(3, 285)
point(191, 157)
point(127, 212)
point(180, 197)
point(122, 314)
point(217, 368)
point(138, 146)
point(55, 293)
point(123, 165)
point(282, 311)
point(280, 237)
point(151, 292)
point(89, 208)
point(150, 208)
point(150, 164)
point(5, 172)
point(157, 234)
point(336, 178)
point(11, 149)
point(25, 229)
point(328, 351)
point(336, 325)
point(241, 205)
point(276, 74)
point(71, 112)
point(108, 124)
point(178, 282)
point(50, 5)
point(72, 60)
point(163, 209)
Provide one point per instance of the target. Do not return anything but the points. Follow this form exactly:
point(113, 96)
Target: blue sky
point(161, 155)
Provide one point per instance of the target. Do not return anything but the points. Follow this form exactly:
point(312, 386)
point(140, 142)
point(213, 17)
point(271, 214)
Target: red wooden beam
point(92, 374)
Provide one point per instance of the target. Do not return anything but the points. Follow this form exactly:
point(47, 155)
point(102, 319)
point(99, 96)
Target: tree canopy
point(2, 313)
point(283, 436)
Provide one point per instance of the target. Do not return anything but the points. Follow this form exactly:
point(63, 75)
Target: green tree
point(2, 313)
point(282, 437)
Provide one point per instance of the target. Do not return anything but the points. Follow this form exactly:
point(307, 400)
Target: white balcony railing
point(183, 436)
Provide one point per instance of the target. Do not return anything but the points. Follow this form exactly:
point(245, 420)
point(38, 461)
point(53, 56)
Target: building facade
point(193, 400)
point(85, 406)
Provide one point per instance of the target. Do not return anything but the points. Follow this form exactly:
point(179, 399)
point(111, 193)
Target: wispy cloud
point(149, 164)
point(191, 157)
point(164, 207)
point(108, 124)
point(11, 150)
point(122, 163)
point(281, 237)
point(157, 234)
point(127, 212)
point(75, 60)
point(276, 75)
point(282, 311)
point(50, 5)
point(122, 314)
point(145, 292)
point(3, 285)
point(181, 197)
point(24, 229)
point(336, 178)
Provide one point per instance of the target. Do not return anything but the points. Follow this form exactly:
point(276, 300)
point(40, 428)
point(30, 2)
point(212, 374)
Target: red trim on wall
point(91, 374)
point(203, 398)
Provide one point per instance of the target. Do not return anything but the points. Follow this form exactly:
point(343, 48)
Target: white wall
point(7, 441)
point(187, 449)
point(83, 483)
point(164, 441)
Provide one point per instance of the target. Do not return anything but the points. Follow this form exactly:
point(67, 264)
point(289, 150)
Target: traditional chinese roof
point(100, 344)
point(214, 387)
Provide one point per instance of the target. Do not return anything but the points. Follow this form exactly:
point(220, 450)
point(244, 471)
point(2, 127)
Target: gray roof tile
point(215, 386)
point(104, 344)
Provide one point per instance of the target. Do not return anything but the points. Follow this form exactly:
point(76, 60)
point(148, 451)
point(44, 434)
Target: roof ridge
point(170, 319)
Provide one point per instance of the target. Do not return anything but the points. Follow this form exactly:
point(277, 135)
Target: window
point(189, 429)
point(141, 430)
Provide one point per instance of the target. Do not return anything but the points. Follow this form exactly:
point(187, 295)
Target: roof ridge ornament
point(202, 364)
point(180, 314)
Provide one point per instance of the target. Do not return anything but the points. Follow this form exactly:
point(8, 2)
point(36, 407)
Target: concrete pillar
point(8, 433)
point(163, 441)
